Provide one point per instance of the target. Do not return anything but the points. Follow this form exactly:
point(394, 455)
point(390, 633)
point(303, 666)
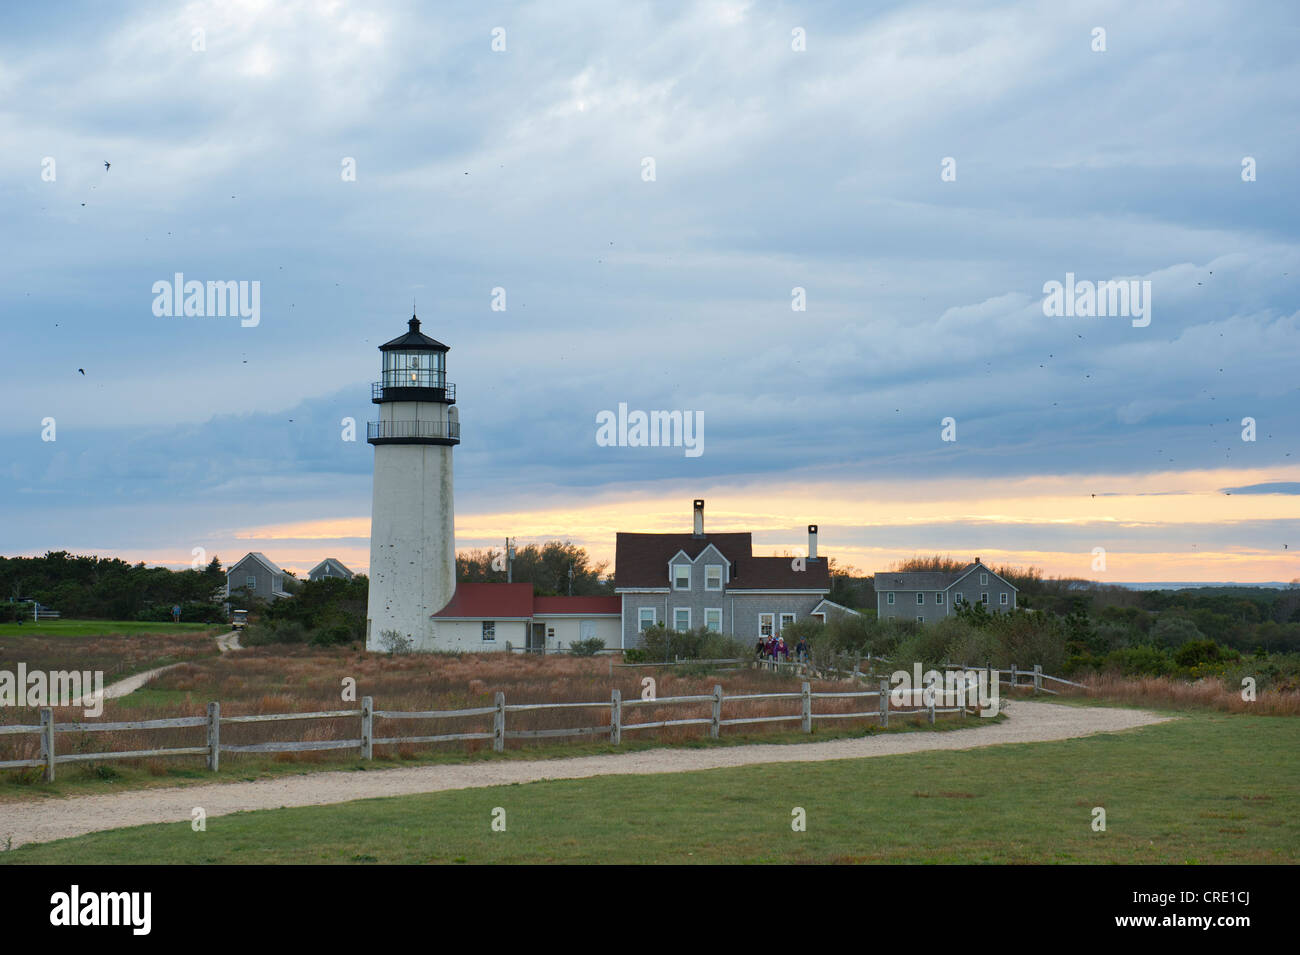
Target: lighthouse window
point(489, 630)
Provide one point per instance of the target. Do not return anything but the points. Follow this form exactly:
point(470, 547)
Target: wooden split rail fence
point(499, 711)
point(1036, 676)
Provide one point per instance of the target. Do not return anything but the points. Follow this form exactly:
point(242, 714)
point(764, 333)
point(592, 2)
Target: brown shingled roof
point(641, 560)
point(777, 573)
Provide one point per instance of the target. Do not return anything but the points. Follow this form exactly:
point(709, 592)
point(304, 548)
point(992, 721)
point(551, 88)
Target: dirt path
point(73, 816)
point(123, 687)
point(225, 642)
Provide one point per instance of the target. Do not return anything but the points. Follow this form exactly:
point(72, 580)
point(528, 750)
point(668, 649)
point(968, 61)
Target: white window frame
point(676, 611)
point(709, 569)
point(771, 624)
point(1002, 598)
point(889, 598)
point(984, 579)
point(920, 618)
point(956, 598)
point(640, 618)
point(938, 597)
point(920, 598)
point(676, 568)
point(781, 621)
point(250, 582)
point(984, 598)
point(489, 631)
point(718, 611)
point(820, 616)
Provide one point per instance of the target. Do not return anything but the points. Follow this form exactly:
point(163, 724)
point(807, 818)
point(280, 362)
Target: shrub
point(1196, 653)
point(332, 636)
point(393, 643)
point(266, 632)
point(587, 648)
point(1139, 661)
point(664, 644)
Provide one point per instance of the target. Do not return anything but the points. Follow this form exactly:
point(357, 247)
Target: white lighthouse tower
point(412, 532)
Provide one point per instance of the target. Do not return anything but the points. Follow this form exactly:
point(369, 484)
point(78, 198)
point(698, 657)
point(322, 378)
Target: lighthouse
point(412, 532)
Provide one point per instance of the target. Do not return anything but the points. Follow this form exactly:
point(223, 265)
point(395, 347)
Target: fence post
point(884, 702)
point(616, 718)
point(367, 727)
point(47, 742)
point(807, 708)
point(214, 736)
point(1013, 677)
point(715, 727)
point(499, 723)
point(931, 708)
point(1038, 677)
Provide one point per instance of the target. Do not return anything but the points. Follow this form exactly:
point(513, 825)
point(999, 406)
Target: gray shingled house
point(329, 567)
point(255, 573)
point(927, 596)
point(687, 581)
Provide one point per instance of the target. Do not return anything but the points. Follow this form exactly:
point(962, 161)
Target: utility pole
point(570, 580)
point(510, 561)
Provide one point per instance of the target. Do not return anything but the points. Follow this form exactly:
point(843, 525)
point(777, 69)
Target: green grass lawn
point(1208, 788)
point(98, 628)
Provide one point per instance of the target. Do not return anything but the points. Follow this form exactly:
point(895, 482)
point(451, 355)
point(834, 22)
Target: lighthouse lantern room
point(412, 532)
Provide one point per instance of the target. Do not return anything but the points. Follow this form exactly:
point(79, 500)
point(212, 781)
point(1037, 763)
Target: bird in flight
point(106, 165)
point(83, 371)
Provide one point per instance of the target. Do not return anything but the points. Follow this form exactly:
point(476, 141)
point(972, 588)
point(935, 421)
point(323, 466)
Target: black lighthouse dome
point(415, 369)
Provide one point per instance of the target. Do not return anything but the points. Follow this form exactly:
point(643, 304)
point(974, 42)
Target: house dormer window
point(681, 576)
point(713, 577)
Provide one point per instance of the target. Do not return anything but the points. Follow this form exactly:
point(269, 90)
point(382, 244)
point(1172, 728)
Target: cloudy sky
point(649, 183)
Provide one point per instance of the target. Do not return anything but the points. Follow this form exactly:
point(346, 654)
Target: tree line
point(108, 588)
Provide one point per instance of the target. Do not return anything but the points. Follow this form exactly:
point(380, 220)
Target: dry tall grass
point(116, 654)
point(1211, 693)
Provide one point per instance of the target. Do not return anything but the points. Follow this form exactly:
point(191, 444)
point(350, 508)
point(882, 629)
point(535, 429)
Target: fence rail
point(366, 715)
point(1035, 674)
